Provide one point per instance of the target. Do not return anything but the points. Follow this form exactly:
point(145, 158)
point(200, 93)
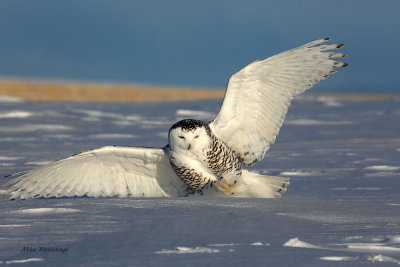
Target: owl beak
point(189, 147)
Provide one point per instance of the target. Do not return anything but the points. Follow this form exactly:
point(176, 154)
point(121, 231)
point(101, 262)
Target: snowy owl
point(204, 158)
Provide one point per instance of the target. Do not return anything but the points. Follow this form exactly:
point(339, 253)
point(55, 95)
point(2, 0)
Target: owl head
point(190, 135)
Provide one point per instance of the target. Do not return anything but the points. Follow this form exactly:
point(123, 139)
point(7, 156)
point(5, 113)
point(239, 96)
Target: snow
point(37, 163)
point(45, 211)
point(24, 260)
point(35, 127)
point(8, 158)
point(305, 122)
point(10, 99)
point(233, 244)
point(372, 247)
point(381, 247)
point(15, 114)
point(295, 173)
point(383, 168)
point(342, 207)
point(111, 136)
point(16, 139)
point(257, 244)
point(297, 243)
point(208, 249)
point(181, 250)
point(338, 258)
point(13, 225)
point(382, 258)
point(329, 101)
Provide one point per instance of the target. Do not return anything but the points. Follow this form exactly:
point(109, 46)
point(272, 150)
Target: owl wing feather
point(258, 96)
point(105, 172)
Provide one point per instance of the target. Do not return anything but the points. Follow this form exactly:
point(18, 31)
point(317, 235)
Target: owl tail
point(251, 185)
point(262, 186)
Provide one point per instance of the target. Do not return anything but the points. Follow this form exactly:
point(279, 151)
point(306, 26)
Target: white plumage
point(259, 95)
point(104, 172)
point(203, 157)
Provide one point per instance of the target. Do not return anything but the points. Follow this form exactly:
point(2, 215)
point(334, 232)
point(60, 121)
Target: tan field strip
point(53, 91)
point(92, 92)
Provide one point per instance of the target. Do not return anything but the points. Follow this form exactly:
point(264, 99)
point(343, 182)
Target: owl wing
point(259, 95)
point(105, 172)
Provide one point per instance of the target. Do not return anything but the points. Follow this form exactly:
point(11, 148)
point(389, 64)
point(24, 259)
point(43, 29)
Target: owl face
point(189, 135)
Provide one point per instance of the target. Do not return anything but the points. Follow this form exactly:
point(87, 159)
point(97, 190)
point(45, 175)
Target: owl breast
point(221, 160)
point(194, 179)
point(211, 164)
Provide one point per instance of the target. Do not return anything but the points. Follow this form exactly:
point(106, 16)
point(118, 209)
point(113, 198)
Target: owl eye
point(196, 136)
point(181, 137)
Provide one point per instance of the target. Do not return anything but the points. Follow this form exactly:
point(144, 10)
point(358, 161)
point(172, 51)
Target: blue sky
point(194, 43)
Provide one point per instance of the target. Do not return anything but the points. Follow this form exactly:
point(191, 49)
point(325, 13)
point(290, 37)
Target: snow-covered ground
point(342, 207)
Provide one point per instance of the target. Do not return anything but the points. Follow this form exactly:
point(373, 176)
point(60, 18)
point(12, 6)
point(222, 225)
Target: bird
point(201, 158)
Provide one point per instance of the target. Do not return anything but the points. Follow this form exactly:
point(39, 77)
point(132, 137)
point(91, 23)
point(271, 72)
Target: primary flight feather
point(204, 158)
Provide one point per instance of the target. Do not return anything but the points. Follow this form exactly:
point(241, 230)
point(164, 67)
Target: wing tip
point(340, 64)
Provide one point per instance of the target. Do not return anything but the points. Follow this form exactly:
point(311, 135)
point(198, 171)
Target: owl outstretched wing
point(259, 95)
point(105, 172)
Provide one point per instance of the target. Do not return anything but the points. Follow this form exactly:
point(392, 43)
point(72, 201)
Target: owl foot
point(227, 188)
point(223, 187)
